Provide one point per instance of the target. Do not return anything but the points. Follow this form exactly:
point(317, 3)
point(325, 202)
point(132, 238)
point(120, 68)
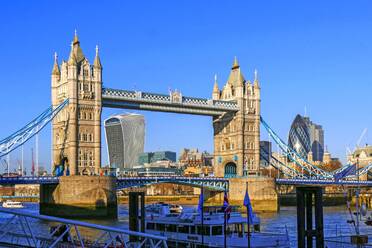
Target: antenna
point(305, 111)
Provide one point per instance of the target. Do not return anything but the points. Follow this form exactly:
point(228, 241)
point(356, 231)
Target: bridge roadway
point(213, 183)
point(321, 182)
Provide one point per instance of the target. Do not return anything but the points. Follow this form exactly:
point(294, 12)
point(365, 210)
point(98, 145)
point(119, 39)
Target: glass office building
point(125, 138)
point(151, 157)
point(306, 136)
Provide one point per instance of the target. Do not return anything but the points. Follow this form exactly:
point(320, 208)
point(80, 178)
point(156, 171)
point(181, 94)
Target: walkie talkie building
point(125, 138)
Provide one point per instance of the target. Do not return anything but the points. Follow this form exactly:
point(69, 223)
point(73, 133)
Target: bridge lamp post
point(297, 147)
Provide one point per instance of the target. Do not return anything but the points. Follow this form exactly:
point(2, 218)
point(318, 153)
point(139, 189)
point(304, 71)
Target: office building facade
point(152, 157)
point(125, 137)
point(307, 138)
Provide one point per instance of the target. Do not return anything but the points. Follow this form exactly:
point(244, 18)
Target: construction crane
point(361, 137)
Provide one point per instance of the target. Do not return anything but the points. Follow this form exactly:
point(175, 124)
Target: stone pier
point(262, 193)
point(80, 197)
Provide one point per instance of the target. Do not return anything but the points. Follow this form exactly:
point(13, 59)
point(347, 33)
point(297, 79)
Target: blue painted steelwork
point(309, 182)
point(28, 180)
point(277, 164)
point(27, 132)
point(313, 170)
point(20, 229)
point(174, 102)
point(214, 183)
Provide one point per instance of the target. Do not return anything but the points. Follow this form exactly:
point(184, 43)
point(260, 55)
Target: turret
point(256, 85)
point(72, 64)
point(97, 66)
point(56, 73)
point(216, 91)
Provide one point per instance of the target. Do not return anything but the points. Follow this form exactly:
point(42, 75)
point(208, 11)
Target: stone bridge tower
point(237, 136)
point(76, 130)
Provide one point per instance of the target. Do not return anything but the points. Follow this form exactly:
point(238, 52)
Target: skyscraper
point(125, 137)
point(305, 137)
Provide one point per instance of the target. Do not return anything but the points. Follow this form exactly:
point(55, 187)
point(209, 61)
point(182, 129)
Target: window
point(150, 226)
point(216, 230)
point(171, 228)
point(160, 227)
point(206, 230)
point(183, 229)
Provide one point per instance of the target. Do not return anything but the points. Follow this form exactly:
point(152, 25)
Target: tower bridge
point(77, 128)
point(77, 101)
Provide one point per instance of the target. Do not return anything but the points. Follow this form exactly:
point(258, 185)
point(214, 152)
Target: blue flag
point(351, 170)
point(247, 203)
point(201, 202)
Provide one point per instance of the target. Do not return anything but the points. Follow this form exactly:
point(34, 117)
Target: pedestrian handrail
point(68, 232)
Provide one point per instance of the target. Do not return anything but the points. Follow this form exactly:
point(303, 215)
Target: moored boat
point(12, 204)
point(186, 230)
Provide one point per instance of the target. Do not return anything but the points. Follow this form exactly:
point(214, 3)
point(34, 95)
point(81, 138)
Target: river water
point(285, 220)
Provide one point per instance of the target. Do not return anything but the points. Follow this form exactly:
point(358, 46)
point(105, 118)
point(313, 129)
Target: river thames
point(335, 221)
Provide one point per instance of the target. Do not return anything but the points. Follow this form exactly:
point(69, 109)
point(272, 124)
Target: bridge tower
point(76, 130)
point(237, 135)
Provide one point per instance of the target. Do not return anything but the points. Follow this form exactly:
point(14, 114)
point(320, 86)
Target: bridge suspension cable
point(313, 170)
point(21, 136)
point(277, 164)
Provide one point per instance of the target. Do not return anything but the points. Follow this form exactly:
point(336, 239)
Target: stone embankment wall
point(80, 196)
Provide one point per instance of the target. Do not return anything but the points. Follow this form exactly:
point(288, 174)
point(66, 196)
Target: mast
point(357, 199)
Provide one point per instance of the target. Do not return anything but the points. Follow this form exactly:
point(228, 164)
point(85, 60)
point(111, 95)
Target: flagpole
point(224, 230)
point(202, 215)
point(248, 229)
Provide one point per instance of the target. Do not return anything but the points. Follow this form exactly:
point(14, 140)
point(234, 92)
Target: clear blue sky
point(316, 54)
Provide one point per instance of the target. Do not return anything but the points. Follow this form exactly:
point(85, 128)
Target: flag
point(201, 202)
point(351, 170)
point(226, 206)
point(247, 203)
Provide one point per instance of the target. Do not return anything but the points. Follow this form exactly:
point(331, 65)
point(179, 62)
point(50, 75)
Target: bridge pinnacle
point(76, 39)
point(97, 60)
point(215, 87)
point(72, 58)
point(56, 70)
point(255, 83)
point(236, 63)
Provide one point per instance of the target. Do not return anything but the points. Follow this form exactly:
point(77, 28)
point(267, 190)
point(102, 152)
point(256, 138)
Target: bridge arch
point(230, 169)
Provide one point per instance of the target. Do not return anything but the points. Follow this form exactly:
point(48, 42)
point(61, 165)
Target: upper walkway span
point(174, 102)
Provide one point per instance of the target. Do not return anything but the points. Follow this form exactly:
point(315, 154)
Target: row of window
point(201, 230)
point(86, 87)
point(83, 115)
point(86, 137)
point(214, 230)
point(86, 158)
point(231, 146)
point(231, 93)
point(231, 128)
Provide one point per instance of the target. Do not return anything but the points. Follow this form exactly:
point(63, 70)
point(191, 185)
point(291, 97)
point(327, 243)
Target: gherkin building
point(299, 137)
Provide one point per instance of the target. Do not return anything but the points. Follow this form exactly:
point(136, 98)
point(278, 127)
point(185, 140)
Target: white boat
point(12, 204)
point(185, 230)
point(164, 208)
